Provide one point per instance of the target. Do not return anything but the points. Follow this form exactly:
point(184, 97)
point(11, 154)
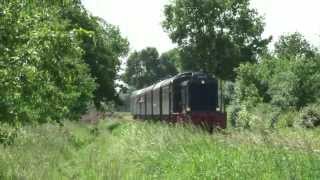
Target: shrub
point(283, 87)
point(244, 118)
point(267, 115)
point(233, 111)
point(261, 116)
point(310, 116)
point(247, 85)
point(240, 117)
point(284, 83)
point(294, 82)
point(7, 134)
point(288, 119)
point(228, 92)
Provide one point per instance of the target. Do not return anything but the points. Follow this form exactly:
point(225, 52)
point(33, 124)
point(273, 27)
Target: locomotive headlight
point(203, 82)
point(188, 109)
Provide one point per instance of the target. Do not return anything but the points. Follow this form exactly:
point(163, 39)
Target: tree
point(168, 64)
point(103, 47)
point(294, 46)
point(42, 74)
point(146, 67)
point(284, 83)
point(173, 60)
point(55, 59)
point(215, 36)
point(142, 68)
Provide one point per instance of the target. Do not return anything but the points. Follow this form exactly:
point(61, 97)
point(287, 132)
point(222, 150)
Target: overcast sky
point(139, 20)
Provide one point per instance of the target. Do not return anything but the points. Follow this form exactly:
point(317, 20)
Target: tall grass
point(124, 149)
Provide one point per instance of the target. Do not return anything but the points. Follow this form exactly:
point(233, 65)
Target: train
point(191, 97)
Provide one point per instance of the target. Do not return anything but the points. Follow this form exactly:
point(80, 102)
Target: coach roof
point(161, 83)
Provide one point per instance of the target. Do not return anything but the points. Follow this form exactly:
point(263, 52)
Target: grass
point(120, 148)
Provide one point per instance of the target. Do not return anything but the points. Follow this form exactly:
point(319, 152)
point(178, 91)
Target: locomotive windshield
point(203, 96)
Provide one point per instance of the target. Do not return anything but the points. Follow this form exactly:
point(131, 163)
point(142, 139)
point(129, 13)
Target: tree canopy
point(281, 90)
point(173, 58)
point(215, 36)
point(146, 67)
point(103, 47)
point(294, 45)
point(55, 58)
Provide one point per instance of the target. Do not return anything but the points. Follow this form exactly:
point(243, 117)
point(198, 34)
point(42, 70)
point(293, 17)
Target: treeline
point(212, 36)
point(281, 90)
point(263, 87)
point(146, 67)
point(55, 60)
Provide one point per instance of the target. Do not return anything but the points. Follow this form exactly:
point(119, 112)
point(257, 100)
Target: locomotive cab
point(199, 101)
point(199, 95)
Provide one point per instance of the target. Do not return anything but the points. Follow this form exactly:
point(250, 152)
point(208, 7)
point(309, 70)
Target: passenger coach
point(187, 97)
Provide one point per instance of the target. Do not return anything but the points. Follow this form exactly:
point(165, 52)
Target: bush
point(284, 83)
point(294, 83)
point(267, 113)
point(8, 134)
point(240, 117)
point(261, 116)
point(310, 116)
point(247, 85)
point(228, 92)
point(288, 119)
point(232, 112)
point(244, 119)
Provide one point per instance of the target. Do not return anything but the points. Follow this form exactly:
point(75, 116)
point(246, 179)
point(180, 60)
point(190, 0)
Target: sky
point(140, 20)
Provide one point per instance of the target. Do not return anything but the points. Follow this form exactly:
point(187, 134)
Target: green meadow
point(120, 148)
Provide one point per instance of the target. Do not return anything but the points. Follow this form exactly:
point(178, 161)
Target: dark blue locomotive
point(188, 97)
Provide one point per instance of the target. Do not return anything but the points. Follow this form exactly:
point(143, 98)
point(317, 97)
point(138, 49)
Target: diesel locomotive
point(187, 97)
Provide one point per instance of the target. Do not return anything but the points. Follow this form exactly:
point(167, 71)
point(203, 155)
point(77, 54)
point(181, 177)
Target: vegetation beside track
point(119, 148)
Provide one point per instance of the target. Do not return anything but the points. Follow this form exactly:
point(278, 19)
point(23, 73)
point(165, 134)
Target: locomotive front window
point(203, 96)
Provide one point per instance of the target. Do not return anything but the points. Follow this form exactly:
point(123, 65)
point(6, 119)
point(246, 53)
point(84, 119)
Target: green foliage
point(55, 58)
point(284, 83)
point(170, 63)
point(244, 118)
point(103, 47)
point(294, 46)
point(136, 150)
point(215, 36)
point(8, 134)
point(43, 76)
point(310, 116)
point(232, 112)
point(228, 92)
point(294, 83)
point(146, 67)
point(267, 116)
point(247, 85)
point(142, 68)
point(289, 118)
point(262, 116)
